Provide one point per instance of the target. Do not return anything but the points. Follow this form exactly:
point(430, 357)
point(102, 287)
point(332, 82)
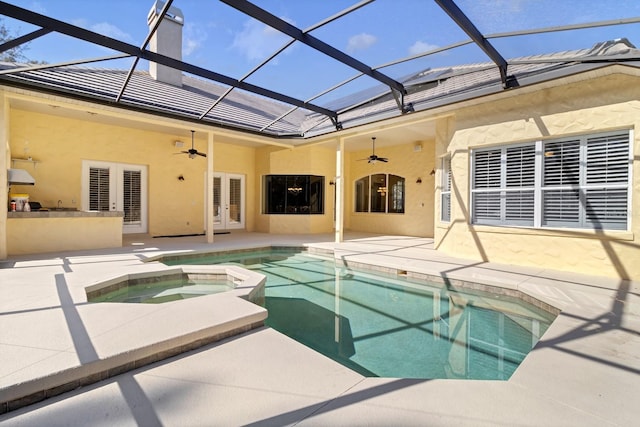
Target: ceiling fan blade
point(200, 154)
point(383, 159)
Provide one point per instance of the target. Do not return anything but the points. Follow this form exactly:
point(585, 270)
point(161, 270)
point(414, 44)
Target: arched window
point(380, 193)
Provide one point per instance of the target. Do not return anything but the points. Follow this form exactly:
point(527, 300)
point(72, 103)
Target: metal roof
point(212, 98)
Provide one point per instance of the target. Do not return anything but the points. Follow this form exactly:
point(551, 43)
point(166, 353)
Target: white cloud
point(194, 38)
point(38, 7)
point(257, 41)
point(360, 42)
point(110, 30)
point(420, 47)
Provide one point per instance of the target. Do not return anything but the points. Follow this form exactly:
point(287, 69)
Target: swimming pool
point(390, 327)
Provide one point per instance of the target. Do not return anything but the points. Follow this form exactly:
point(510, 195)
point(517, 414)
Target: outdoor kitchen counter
point(62, 230)
point(65, 213)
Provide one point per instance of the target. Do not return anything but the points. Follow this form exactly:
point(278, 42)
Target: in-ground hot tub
point(174, 284)
point(171, 285)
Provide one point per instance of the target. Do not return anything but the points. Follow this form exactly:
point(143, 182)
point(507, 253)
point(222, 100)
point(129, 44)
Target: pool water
point(387, 327)
point(164, 290)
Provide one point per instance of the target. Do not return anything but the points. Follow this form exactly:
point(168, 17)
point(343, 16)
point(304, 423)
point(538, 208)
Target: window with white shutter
point(132, 203)
point(519, 185)
point(235, 199)
point(445, 193)
point(504, 185)
point(607, 178)
point(116, 187)
point(99, 189)
point(583, 183)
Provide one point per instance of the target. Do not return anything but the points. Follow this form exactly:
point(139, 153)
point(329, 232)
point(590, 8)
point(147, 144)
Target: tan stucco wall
point(5, 155)
point(599, 104)
point(312, 160)
point(60, 145)
point(405, 161)
point(241, 160)
point(40, 235)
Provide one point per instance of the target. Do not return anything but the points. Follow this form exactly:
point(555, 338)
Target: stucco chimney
point(166, 41)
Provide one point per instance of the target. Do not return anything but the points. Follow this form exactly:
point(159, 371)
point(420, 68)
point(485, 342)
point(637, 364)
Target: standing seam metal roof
point(251, 112)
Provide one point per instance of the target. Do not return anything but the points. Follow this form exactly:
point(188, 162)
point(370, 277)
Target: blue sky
point(219, 38)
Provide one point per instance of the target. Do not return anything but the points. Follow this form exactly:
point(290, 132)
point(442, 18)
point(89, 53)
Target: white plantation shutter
point(132, 196)
point(608, 160)
point(235, 199)
point(486, 208)
point(606, 208)
point(445, 193)
point(520, 184)
point(561, 208)
point(561, 178)
point(607, 181)
point(487, 168)
point(561, 163)
point(487, 178)
point(217, 198)
point(99, 189)
point(584, 183)
point(504, 185)
point(521, 166)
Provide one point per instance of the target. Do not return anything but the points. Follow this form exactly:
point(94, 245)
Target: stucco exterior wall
point(5, 154)
point(40, 235)
point(311, 160)
point(241, 160)
point(404, 161)
point(596, 105)
point(60, 145)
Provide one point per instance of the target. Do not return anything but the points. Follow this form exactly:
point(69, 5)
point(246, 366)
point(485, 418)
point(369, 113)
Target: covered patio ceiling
point(314, 77)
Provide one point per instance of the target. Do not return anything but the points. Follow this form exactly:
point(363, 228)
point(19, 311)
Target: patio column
point(339, 184)
point(209, 199)
point(5, 163)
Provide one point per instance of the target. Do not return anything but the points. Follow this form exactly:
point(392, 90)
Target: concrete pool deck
point(584, 371)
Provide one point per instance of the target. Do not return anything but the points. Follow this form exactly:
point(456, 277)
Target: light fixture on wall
point(419, 180)
point(433, 172)
point(180, 177)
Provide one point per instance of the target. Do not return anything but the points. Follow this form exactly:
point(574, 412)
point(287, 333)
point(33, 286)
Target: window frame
point(311, 181)
point(445, 189)
point(607, 193)
point(390, 199)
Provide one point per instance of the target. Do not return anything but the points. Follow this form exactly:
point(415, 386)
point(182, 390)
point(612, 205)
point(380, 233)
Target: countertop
point(64, 214)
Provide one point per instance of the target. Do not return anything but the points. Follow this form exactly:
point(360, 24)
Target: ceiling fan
point(373, 158)
point(192, 152)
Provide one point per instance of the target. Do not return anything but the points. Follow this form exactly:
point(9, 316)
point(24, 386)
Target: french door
point(228, 201)
point(122, 187)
